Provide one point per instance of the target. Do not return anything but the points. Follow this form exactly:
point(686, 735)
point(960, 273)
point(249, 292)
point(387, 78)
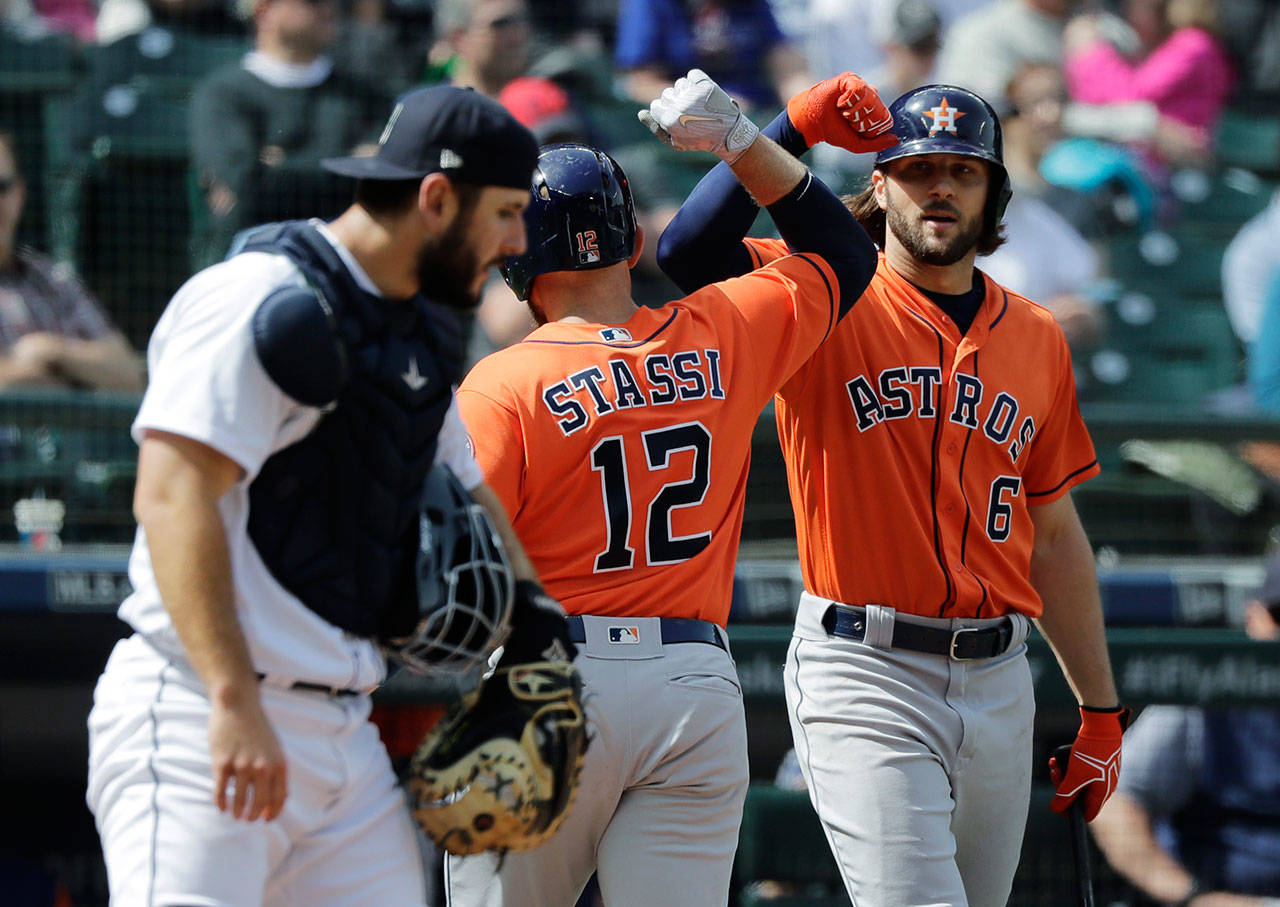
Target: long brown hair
point(871, 216)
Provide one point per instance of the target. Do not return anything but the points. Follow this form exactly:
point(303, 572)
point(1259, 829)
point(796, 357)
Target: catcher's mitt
point(500, 770)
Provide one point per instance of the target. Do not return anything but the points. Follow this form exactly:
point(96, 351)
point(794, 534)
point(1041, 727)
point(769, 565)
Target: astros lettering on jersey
point(995, 412)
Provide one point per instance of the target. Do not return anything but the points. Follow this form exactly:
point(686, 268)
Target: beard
point(924, 249)
point(448, 268)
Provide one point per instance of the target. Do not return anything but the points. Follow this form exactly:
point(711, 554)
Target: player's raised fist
point(695, 114)
point(844, 111)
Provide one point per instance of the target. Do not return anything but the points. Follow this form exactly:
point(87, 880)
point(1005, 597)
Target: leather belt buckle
point(955, 641)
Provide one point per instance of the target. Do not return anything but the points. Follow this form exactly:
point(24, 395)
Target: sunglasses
point(7, 183)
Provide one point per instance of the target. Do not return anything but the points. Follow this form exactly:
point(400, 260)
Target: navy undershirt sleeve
point(810, 218)
point(703, 243)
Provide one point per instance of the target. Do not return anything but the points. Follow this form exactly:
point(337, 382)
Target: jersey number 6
point(609, 459)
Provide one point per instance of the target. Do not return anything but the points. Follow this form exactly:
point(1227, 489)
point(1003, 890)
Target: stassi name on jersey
point(914, 391)
point(659, 379)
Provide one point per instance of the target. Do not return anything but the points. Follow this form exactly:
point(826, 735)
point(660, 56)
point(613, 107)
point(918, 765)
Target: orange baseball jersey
point(913, 452)
point(621, 452)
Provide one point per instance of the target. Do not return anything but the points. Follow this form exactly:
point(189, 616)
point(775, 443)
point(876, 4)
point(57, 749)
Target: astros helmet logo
point(944, 117)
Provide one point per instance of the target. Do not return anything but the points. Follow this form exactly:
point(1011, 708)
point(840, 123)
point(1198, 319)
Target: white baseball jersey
point(207, 384)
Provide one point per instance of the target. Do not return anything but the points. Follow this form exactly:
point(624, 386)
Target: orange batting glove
point(843, 111)
point(1094, 767)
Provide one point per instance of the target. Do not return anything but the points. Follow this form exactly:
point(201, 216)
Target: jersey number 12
point(609, 459)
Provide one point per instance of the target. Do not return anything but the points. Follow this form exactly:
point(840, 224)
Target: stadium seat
point(122, 198)
point(1249, 140)
point(30, 71)
point(1216, 204)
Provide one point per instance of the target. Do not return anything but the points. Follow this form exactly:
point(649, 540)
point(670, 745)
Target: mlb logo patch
point(624, 636)
point(615, 334)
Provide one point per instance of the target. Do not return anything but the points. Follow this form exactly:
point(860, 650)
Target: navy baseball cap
point(455, 131)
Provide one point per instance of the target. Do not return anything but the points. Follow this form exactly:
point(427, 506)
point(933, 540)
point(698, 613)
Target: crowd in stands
point(1105, 103)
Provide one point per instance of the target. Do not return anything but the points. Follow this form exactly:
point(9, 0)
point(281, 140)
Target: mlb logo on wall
point(624, 636)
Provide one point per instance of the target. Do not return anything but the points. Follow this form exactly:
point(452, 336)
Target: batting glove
point(844, 111)
point(1094, 767)
point(695, 114)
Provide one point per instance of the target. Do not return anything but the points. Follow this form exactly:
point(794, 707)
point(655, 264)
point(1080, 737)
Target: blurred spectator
point(983, 50)
point(910, 49)
point(1196, 816)
point(31, 19)
point(736, 42)
point(1179, 68)
point(378, 45)
point(1044, 257)
point(259, 127)
point(906, 61)
point(1262, 364)
point(52, 332)
point(1251, 33)
point(1250, 262)
point(851, 35)
point(544, 108)
point(120, 18)
point(481, 44)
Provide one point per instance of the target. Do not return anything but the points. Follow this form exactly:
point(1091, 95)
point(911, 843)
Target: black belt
point(319, 688)
point(674, 629)
point(849, 622)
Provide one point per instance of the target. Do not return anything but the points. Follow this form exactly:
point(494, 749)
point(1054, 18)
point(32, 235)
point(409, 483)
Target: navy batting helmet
point(580, 217)
point(945, 119)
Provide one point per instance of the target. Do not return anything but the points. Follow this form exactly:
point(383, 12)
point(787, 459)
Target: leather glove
point(1094, 767)
point(844, 111)
point(539, 628)
point(695, 114)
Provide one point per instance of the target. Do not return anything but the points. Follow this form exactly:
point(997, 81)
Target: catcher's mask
point(945, 119)
point(500, 770)
point(465, 584)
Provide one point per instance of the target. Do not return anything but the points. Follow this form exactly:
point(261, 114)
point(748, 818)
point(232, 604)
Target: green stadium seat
point(1249, 140)
point(1179, 263)
point(122, 198)
point(30, 71)
point(1217, 204)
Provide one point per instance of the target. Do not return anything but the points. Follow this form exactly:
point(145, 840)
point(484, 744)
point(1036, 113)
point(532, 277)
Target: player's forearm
point(1124, 835)
point(1063, 573)
point(192, 566)
point(703, 242)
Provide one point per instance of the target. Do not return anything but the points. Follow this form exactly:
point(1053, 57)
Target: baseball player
point(930, 444)
point(300, 392)
point(618, 437)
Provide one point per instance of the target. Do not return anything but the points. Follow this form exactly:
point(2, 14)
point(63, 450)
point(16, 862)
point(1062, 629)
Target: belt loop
point(880, 620)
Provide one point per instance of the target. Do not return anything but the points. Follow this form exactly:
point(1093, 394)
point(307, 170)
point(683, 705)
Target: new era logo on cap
point(450, 159)
point(624, 636)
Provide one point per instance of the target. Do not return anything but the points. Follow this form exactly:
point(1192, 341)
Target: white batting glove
point(695, 114)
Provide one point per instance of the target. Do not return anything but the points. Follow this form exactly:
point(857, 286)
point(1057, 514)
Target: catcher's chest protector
point(335, 515)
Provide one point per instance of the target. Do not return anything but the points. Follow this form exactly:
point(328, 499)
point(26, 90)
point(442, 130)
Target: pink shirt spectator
point(1188, 78)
